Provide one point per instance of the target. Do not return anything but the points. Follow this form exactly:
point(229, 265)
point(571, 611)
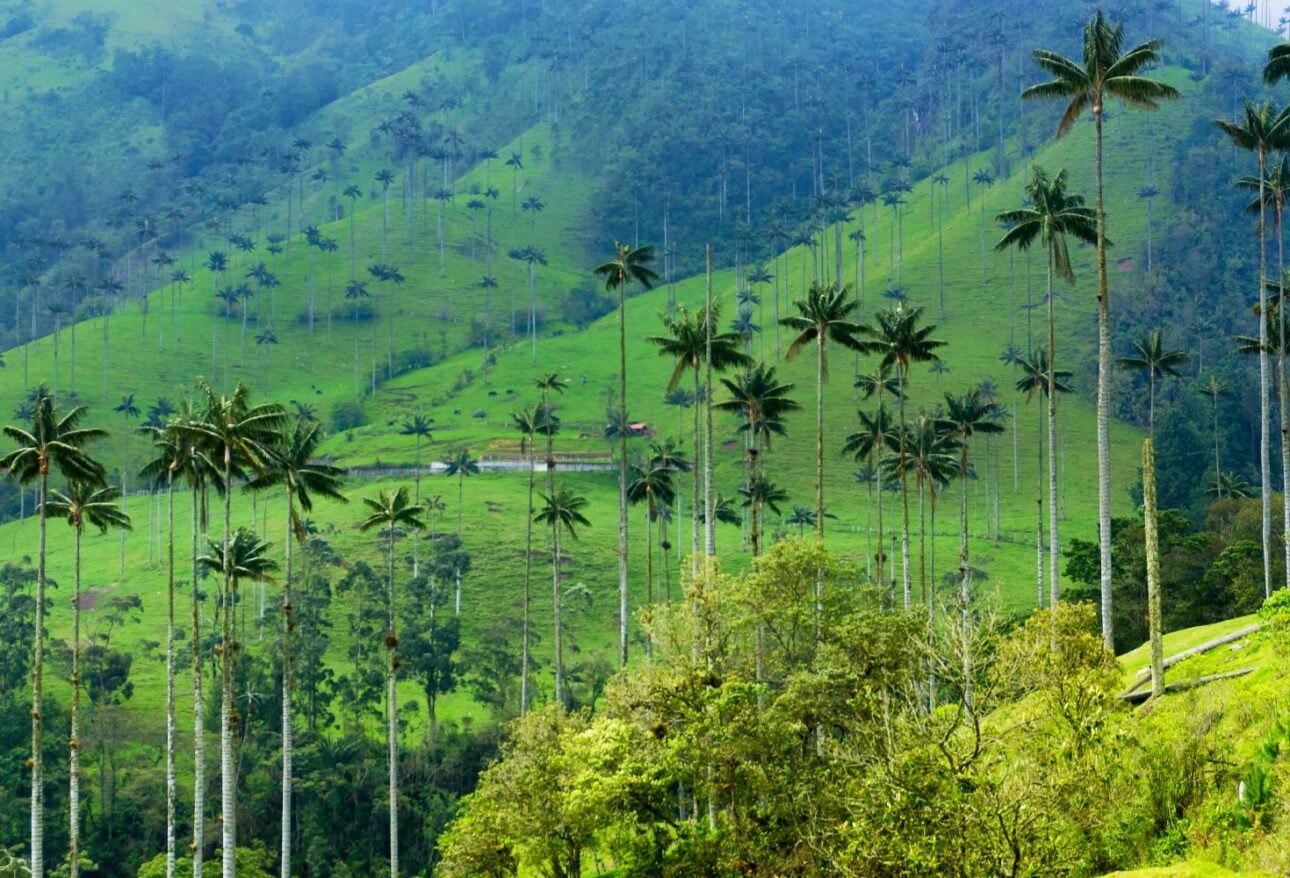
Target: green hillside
point(374, 212)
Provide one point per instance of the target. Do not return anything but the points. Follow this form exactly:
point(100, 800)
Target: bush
point(585, 304)
point(347, 416)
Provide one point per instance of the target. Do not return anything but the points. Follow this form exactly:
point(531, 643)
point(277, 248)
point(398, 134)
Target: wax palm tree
point(353, 193)
point(801, 517)
point(385, 177)
point(930, 454)
point(516, 164)
point(126, 408)
point(899, 341)
point(487, 284)
point(966, 416)
point(392, 512)
point(866, 445)
point(1214, 390)
point(178, 457)
point(823, 316)
point(291, 463)
point(237, 437)
point(53, 440)
point(652, 485)
point(548, 383)
point(1050, 218)
point(1038, 380)
point(762, 401)
point(562, 512)
point(529, 422)
point(82, 504)
point(1106, 71)
point(1149, 355)
point(670, 456)
point(160, 473)
point(461, 465)
point(985, 180)
point(630, 265)
point(686, 341)
point(760, 492)
point(418, 426)
point(241, 557)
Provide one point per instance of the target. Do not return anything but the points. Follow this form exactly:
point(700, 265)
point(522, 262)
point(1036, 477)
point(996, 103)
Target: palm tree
point(650, 484)
point(353, 193)
point(560, 511)
point(1039, 379)
point(823, 316)
point(1214, 390)
point(487, 284)
point(237, 436)
point(900, 342)
point(241, 557)
point(931, 457)
point(392, 512)
point(758, 493)
point(803, 517)
point(1150, 356)
point(984, 179)
point(629, 265)
point(53, 441)
point(385, 177)
point(1106, 72)
point(529, 422)
point(126, 408)
point(1273, 190)
point(1051, 217)
point(460, 465)
point(668, 455)
point(866, 445)
point(88, 503)
point(762, 401)
point(550, 424)
point(516, 164)
point(291, 463)
point(687, 342)
point(419, 426)
point(966, 416)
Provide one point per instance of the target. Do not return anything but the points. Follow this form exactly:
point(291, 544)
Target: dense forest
point(516, 437)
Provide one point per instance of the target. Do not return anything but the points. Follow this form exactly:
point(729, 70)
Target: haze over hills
point(387, 218)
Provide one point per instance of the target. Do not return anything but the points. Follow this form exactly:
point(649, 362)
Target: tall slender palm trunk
point(1154, 617)
point(709, 498)
point(199, 730)
point(1053, 544)
point(38, 695)
point(1283, 387)
point(622, 475)
point(287, 624)
point(556, 613)
point(392, 721)
point(170, 671)
point(1265, 463)
point(906, 578)
point(1103, 397)
point(228, 771)
point(528, 569)
point(819, 436)
point(74, 751)
point(965, 579)
point(1039, 512)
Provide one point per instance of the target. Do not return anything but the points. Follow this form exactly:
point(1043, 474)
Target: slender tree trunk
point(1153, 569)
point(1054, 547)
point(965, 580)
point(1283, 387)
point(528, 566)
point(1103, 397)
point(74, 757)
point(1039, 510)
point(288, 622)
point(709, 498)
point(559, 622)
point(228, 773)
point(1265, 464)
point(819, 436)
point(622, 474)
point(170, 670)
point(696, 496)
point(392, 720)
point(38, 695)
point(199, 730)
point(904, 500)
